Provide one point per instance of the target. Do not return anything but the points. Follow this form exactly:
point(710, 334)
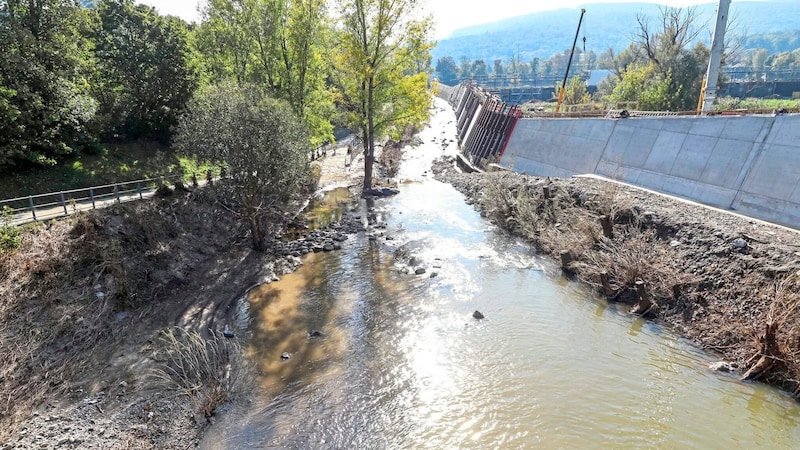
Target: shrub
point(9, 234)
point(208, 371)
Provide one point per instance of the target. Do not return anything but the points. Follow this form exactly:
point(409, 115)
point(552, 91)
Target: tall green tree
point(146, 70)
point(45, 106)
point(280, 45)
point(448, 70)
point(576, 92)
point(264, 144)
point(378, 50)
point(670, 51)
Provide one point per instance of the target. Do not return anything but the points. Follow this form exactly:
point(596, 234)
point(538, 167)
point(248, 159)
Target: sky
point(449, 15)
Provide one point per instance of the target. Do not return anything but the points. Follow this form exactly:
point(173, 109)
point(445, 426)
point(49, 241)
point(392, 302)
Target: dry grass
point(45, 335)
point(633, 255)
point(62, 287)
point(208, 371)
point(720, 296)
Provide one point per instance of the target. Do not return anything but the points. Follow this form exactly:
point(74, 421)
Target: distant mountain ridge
point(606, 25)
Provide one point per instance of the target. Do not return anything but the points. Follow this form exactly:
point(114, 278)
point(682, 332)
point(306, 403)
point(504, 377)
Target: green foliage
point(146, 73)
point(279, 45)
point(575, 92)
point(777, 42)
point(642, 85)
point(659, 70)
point(448, 71)
point(44, 101)
point(732, 103)
point(9, 234)
point(379, 50)
point(263, 143)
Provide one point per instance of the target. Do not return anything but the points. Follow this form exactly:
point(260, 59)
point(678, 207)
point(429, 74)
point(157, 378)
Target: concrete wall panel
point(785, 131)
point(775, 173)
point(725, 162)
point(751, 164)
point(708, 126)
point(693, 157)
point(665, 151)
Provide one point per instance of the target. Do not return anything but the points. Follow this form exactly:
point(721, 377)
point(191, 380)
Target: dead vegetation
point(209, 371)
point(72, 289)
point(728, 283)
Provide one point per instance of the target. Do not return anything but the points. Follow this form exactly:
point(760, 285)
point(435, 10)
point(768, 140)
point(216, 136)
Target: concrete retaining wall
point(749, 163)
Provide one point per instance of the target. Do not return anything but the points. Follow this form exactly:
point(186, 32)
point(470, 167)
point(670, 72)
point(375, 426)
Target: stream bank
point(720, 279)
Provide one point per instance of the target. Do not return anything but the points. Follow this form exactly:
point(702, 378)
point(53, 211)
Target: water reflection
point(404, 365)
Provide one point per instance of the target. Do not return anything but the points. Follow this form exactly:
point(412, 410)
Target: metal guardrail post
point(64, 204)
point(139, 189)
point(33, 208)
point(91, 196)
point(116, 192)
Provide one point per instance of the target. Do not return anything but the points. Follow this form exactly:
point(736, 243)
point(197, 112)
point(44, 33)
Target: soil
point(716, 277)
point(87, 299)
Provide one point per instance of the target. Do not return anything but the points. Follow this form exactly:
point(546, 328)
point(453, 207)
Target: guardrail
point(52, 205)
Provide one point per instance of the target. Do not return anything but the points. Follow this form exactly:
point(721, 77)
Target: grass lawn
point(117, 163)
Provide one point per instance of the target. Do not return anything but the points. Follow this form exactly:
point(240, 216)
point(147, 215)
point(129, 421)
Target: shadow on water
point(322, 210)
point(402, 364)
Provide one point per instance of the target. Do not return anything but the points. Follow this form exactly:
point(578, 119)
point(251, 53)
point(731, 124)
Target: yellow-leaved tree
point(382, 71)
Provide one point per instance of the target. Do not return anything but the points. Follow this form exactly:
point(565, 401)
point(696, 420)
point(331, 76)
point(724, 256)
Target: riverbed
point(400, 361)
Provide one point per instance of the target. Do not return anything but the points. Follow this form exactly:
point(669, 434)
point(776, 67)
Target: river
point(403, 364)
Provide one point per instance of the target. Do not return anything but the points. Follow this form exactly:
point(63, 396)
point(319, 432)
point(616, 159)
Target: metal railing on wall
point(52, 205)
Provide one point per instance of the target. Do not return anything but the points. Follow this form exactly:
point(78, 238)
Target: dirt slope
point(717, 278)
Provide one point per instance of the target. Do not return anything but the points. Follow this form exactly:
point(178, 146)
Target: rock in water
point(228, 333)
point(419, 270)
point(316, 334)
point(721, 366)
point(285, 356)
point(478, 315)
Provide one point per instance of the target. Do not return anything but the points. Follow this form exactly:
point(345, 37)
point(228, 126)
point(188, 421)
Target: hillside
point(606, 25)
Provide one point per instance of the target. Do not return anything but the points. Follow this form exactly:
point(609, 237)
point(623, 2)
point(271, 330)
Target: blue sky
point(449, 15)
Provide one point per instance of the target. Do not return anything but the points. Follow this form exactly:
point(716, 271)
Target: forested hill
point(606, 25)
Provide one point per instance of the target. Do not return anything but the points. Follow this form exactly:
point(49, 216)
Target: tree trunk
point(257, 234)
point(369, 160)
point(768, 351)
point(369, 145)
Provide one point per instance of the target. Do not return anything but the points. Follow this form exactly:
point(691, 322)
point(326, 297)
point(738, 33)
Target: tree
point(277, 44)
point(447, 70)
point(479, 71)
point(643, 85)
point(759, 59)
point(378, 47)
point(667, 50)
point(45, 107)
point(263, 143)
point(575, 92)
point(146, 70)
point(464, 69)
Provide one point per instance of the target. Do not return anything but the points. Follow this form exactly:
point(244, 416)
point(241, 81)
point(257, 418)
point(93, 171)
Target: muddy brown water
point(402, 363)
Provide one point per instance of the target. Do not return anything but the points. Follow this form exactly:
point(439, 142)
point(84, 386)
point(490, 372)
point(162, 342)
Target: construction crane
point(569, 63)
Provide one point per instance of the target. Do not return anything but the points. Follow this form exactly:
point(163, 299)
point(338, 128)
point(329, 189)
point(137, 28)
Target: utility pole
point(569, 63)
point(709, 93)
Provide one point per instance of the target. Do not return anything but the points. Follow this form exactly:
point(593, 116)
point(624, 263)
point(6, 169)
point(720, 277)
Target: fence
point(484, 122)
point(59, 204)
